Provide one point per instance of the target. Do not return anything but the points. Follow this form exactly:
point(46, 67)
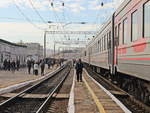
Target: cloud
point(113, 4)
point(12, 31)
point(5, 3)
point(94, 2)
point(75, 7)
point(40, 5)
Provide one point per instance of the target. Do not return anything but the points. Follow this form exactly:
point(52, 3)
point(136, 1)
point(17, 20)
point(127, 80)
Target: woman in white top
point(36, 66)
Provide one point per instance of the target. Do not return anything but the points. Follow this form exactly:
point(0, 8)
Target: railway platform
point(90, 97)
point(10, 81)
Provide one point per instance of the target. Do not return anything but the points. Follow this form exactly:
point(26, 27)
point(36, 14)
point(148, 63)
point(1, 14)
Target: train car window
point(98, 47)
point(101, 44)
point(107, 39)
point(119, 32)
point(147, 19)
point(116, 35)
point(95, 47)
point(104, 42)
point(125, 31)
point(134, 26)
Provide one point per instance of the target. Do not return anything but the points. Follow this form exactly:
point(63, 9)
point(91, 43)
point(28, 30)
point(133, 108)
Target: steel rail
point(44, 106)
point(12, 99)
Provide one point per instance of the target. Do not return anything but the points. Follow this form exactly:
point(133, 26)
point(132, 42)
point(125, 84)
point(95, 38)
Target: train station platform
point(10, 81)
point(90, 97)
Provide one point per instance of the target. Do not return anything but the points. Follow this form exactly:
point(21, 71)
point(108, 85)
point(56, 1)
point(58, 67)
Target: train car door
point(110, 52)
point(112, 47)
point(89, 55)
point(116, 43)
point(109, 49)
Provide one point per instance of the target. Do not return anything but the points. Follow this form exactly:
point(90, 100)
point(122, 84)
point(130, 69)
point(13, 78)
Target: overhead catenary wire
point(66, 16)
point(37, 12)
point(26, 17)
point(19, 19)
point(56, 17)
point(67, 37)
point(98, 14)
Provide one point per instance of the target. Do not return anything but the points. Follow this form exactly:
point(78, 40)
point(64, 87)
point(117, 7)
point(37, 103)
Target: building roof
point(10, 43)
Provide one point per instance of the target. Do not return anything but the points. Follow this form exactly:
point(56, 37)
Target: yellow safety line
point(96, 100)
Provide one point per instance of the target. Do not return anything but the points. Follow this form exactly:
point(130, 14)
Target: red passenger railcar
point(122, 47)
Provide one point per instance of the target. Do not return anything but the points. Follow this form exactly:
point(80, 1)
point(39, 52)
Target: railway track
point(59, 103)
point(128, 100)
point(36, 98)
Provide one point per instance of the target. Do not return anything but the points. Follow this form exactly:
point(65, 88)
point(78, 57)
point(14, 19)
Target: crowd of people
point(32, 65)
point(11, 65)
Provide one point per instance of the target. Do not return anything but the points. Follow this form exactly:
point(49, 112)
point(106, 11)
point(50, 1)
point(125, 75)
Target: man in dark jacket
point(18, 64)
point(13, 66)
point(79, 69)
point(42, 67)
point(29, 64)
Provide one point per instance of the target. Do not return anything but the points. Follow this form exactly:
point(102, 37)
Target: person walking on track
point(79, 69)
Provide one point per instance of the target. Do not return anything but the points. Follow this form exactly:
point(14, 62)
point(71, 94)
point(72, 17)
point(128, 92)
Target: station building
point(20, 51)
point(34, 51)
point(12, 51)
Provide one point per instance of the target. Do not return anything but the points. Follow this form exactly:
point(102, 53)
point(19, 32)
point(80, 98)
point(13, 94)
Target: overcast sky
point(26, 20)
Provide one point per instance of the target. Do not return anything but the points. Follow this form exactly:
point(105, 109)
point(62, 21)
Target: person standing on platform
point(9, 65)
point(5, 64)
point(32, 65)
point(49, 64)
point(29, 66)
point(42, 67)
point(13, 66)
point(79, 69)
point(36, 66)
point(18, 64)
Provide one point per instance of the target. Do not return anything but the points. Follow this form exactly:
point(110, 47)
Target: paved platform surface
point(7, 78)
point(90, 98)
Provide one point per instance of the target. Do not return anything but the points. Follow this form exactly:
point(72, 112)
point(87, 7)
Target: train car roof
point(13, 44)
point(119, 9)
point(122, 6)
point(101, 30)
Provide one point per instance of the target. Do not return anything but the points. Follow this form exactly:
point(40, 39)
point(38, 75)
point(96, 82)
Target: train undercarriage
point(136, 87)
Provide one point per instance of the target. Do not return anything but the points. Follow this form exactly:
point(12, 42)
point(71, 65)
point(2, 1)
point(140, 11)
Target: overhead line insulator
point(52, 4)
point(63, 4)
